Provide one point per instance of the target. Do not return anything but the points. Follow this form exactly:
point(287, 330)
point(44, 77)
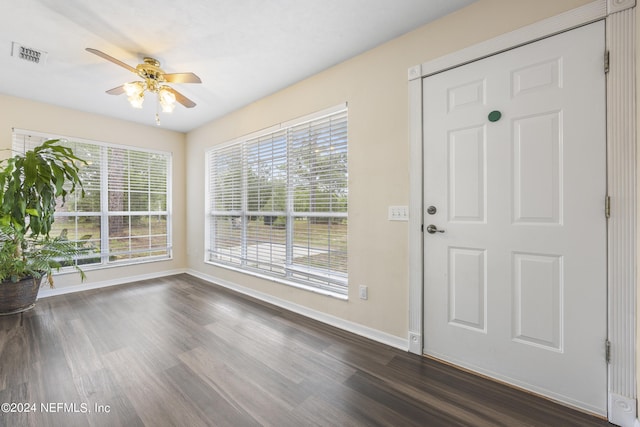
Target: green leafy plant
point(31, 186)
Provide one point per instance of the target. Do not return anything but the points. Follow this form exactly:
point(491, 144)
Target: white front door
point(514, 222)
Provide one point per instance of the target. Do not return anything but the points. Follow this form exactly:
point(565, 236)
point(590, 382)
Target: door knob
point(432, 229)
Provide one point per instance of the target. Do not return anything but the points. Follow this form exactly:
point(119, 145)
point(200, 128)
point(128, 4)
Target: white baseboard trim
point(364, 331)
point(622, 411)
point(415, 343)
point(48, 292)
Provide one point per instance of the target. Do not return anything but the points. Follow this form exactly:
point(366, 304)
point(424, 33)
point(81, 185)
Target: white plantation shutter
point(278, 203)
point(318, 173)
point(266, 183)
point(226, 205)
point(138, 216)
point(124, 216)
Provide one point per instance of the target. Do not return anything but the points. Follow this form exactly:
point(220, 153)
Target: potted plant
point(31, 187)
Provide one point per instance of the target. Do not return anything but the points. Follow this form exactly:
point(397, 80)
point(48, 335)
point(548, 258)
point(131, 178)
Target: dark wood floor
point(180, 352)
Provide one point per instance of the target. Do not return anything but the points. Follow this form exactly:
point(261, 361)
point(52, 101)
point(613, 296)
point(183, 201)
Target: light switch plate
point(398, 213)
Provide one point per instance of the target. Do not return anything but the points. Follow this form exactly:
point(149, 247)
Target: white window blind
point(124, 216)
point(278, 203)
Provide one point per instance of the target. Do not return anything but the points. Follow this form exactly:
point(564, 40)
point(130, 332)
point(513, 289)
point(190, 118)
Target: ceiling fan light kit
point(153, 80)
point(135, 93)
point(167, 99)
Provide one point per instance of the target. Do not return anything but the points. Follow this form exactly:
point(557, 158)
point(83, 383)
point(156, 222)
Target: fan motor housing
point(150, 70)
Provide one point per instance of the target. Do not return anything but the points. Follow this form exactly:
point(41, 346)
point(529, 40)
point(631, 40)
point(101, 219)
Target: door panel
point(537, 170)
point(467, 165)
point(537, 293)
point(515, 269)
point(467, 288)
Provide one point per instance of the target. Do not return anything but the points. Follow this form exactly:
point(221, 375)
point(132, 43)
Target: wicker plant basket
point(18, 297)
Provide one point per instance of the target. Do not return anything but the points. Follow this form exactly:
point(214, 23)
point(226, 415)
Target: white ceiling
point(242, 50)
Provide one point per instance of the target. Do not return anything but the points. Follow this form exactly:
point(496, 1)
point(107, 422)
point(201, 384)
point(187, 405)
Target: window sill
point(125, 263)
point(294, 284)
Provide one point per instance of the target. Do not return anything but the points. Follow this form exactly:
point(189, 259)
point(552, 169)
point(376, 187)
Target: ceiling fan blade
point(181, 98)
point(182, 78)
point(111, 59)
point(116, 90)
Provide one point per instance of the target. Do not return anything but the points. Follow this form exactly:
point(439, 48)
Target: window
point(278, 203)
point(124, 216)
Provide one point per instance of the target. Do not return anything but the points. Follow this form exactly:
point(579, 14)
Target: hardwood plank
point(209, 404)
point(14, 352)
point(317, 411)
point(239, 391)
point(102, 393)
point(251, 367)
point(285, 366)
point(77, 346)
point(444, 410)
point(155, 402)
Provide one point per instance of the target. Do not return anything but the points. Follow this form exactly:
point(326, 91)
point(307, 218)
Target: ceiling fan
point(153, 80)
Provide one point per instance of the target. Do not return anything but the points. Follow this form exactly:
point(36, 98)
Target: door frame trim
point(620, 23)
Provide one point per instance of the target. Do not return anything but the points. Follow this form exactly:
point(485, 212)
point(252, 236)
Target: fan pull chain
point(158, 109)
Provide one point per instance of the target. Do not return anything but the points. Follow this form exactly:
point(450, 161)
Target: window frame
point(104, 254)
point(337, 282)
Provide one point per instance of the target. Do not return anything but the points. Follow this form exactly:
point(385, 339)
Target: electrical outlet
point(398, 213)
point(364, 292)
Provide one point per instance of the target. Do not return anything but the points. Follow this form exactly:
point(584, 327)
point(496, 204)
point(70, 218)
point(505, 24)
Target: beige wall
point(23, 114)
point(375, 86)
